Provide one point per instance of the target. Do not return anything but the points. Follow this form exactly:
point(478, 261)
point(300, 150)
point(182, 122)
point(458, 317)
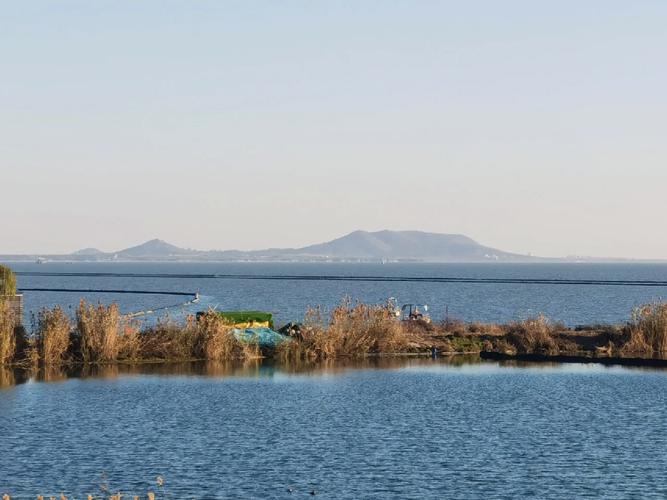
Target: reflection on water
point(373, 428)
point(255, 368)
point(11, 376)
point(258, 368)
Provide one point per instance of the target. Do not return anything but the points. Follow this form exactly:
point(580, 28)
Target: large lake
point(381, 429)
point(403, 428)
point(288, 300)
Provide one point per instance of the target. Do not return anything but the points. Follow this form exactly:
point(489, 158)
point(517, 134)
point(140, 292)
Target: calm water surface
point(408, 428)
point(288, 300)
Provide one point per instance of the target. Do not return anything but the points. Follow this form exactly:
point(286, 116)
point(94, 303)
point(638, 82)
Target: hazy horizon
point(531, 128)
point(189, 247)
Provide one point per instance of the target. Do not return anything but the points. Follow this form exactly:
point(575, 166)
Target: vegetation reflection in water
point(208, 427)
point(267, 369)
point(253, 368)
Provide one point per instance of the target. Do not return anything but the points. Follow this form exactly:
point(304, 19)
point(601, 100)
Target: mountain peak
point(154, 248)
point(88, 251)
point(418, 245)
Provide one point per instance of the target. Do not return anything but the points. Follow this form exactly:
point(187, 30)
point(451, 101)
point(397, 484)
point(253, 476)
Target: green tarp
point(247, 317)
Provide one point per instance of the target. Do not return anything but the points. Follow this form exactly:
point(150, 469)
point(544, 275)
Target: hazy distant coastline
point(358, 246)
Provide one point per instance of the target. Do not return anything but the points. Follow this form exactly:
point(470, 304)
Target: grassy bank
point(99, 334)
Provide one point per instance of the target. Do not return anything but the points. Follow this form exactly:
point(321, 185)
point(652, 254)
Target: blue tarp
point(265, 337)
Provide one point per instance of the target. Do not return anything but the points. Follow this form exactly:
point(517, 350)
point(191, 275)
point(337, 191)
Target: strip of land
point(99, 334)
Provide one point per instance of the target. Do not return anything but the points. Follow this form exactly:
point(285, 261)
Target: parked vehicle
point(414, 312)
point(409, 312)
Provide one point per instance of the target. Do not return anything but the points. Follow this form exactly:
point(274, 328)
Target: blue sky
point(530, 126)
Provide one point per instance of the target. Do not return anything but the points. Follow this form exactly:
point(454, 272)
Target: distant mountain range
point(415, 246)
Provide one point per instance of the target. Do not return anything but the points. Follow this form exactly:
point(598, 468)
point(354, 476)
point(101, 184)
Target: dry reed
point(217, 341)
point(7, 281)
point(648, 329)
point(52, 337)
point(534, 335)
point(209, 337)
point(97, 331)
point(170, 340)
point(353, 330)
point(8, 340)
point(129, 341)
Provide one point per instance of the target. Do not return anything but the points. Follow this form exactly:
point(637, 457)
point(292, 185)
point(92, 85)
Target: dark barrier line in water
point(413, 279)
point(194, 297)
point(96, 290)
point(194, 300)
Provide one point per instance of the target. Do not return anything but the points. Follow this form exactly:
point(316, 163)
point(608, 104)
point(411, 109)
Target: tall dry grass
point(52, 337)
point(7, 281)
point(168, 339)
point(209, 337)
point(129, 340)
point(533, 335)
point(97, 332)
point(8, 338)
point(102, 335)
point(216, 340)
point(353, 329)
point(648, 330)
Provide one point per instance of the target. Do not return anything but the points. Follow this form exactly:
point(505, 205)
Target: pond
point(379, 428)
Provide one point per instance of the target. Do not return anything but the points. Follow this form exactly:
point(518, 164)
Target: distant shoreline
point(358, 246)
point(68, 259)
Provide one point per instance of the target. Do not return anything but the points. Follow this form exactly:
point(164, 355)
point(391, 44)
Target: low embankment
point(99, 334)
